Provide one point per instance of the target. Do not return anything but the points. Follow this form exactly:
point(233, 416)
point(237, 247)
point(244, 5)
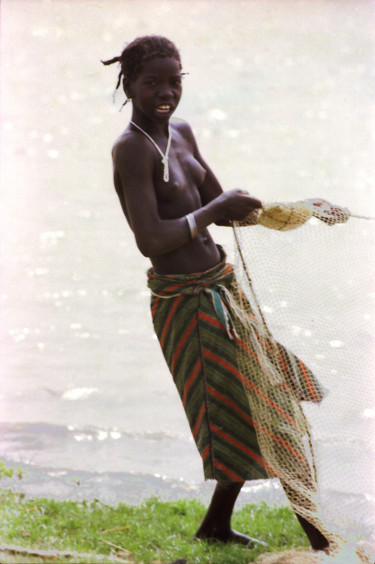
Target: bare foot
point(230, 535)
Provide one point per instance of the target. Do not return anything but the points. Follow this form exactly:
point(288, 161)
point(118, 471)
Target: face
point(157, 89)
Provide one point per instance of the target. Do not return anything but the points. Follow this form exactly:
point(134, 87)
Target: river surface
point(280, 96)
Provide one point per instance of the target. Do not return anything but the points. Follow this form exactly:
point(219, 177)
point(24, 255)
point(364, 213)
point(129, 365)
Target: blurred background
point(280, 95)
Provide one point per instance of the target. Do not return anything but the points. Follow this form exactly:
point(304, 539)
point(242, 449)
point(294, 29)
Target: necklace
point(164, 156)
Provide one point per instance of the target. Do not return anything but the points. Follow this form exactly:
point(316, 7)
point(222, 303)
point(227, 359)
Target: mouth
point(164, 108)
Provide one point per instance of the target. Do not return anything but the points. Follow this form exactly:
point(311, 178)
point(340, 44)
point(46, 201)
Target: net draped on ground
point(311, 285)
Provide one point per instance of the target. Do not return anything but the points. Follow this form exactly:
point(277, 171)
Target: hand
point(237, 204)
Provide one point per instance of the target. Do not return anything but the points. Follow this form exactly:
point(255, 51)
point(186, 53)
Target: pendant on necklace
point(164, 159)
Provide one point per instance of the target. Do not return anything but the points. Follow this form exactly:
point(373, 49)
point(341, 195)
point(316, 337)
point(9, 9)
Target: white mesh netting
point(312, 290)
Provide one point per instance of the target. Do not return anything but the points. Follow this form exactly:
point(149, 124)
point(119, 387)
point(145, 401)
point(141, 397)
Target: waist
point(198, 255)
point(187, 283)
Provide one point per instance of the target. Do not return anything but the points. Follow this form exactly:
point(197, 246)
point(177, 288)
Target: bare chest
point(185, 175)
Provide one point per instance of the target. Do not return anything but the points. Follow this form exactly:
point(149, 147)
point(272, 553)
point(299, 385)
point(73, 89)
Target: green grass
point(154, 531)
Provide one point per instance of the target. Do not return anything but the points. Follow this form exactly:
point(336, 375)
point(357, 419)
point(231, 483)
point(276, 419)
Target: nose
point(165, 91)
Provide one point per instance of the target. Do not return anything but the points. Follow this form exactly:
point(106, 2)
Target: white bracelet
point(192, 225)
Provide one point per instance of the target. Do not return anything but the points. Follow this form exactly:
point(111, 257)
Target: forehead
point(160, 66)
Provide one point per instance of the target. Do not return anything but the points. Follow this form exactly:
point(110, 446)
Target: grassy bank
point(154, 531)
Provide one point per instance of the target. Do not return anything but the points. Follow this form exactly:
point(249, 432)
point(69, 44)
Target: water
point(280, 96)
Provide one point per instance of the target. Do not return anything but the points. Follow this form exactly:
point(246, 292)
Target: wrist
point(216, 210)
point(201, 218)
point(192, 224)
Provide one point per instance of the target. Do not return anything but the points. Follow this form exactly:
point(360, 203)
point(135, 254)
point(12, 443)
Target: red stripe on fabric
point(182, 342)
point(247, 348)
point(231, 404)
point(249, 384)
point(266, 344)
point(242, 447)
point(171, 289)
point(227, 471)
point(244, 299)
point(287, 446)
point(307, 379)
point(283, 361)
point(284, 364)
point(270, 347)
point(191, 379)
point(252, 422)
point(283, 443)
point(205, 452)
point(196, 428)
point(154, 307)
point(209, 319)
point(169, 319)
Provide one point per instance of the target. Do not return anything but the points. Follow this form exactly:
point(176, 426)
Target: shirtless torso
point(156, 210)
point(174, 199)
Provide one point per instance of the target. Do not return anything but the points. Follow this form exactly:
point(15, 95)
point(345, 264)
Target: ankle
point(213, 530)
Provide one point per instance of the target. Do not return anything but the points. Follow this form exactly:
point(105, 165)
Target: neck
point(164, 156)
point(151, 127)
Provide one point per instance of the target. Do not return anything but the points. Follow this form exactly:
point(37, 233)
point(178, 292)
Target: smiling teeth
point(164, 107)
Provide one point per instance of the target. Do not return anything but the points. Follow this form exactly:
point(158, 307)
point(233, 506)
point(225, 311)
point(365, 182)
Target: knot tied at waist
point(214, 282)
point(170, 285)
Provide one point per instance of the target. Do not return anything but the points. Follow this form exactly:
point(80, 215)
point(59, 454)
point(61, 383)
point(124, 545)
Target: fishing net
point(307, 270)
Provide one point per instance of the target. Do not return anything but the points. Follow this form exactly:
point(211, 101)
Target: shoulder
point(129, 146)
point(184, 129)
point(133, 158)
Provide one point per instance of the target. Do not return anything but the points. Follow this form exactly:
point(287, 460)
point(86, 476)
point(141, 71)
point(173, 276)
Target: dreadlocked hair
point(139, 51)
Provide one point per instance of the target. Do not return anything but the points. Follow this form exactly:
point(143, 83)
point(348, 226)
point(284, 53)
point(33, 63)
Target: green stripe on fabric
point(223, 430)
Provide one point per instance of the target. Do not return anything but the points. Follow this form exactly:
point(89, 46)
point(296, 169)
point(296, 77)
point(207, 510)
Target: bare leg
point(216, 523)
point(317, 540)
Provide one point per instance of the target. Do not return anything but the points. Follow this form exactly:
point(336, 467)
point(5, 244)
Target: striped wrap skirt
point(196, 329)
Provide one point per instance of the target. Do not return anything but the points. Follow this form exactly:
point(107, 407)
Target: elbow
point(150, 248)
point(145, 250)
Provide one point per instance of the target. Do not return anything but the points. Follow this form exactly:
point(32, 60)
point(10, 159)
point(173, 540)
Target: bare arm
point(211, 188)
point(134, 163)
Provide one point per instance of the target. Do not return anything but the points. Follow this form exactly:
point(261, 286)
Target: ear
point(127, 88)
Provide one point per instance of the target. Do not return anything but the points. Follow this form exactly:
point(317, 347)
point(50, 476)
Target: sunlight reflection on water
point(281, 104)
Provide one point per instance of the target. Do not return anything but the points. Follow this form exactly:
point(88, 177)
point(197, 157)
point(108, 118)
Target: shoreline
point(132, 488)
